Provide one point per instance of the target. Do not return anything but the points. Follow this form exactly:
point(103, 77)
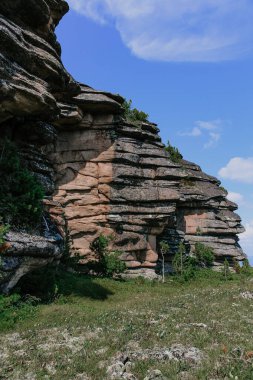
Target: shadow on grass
point(45, 286)
point(49, 283)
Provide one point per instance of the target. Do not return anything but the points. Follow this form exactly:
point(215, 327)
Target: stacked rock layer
point(116, 178)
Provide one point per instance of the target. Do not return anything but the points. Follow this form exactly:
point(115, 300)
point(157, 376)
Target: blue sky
point(188, 64)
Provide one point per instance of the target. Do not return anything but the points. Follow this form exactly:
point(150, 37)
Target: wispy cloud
point(209, 125)
point(210, 129)
point(213, 140)
point(169, 30)
point(195, 132)
point(246, 239)
point(238, 169)
point(235, 197)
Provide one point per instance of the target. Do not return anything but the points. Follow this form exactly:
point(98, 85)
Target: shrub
point(14, 308)
point(174, 153)
point(236, 266)
point(246, 268)
point(226, 270)
point(20, 192)
point(108, 263)
point(100, 245)
point(3, 231)
point(204, 255)
point(184, 265)
point(133, 115)
point(179, 260)
point(164, 249)
point(112, 264)
point(3, 245)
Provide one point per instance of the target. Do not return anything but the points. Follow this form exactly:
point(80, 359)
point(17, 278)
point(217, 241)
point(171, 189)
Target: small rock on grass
point(82, 376)
point(116, 370)
point(247, 295)
point(155, 374)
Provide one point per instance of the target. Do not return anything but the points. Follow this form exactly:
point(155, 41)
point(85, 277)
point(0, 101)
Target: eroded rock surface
point(115, 178)
point(101, 174)
point(23, 254)
point(33, 81)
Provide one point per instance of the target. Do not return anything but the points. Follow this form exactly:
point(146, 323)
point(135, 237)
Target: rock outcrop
point(101, 174)
point(33, 81)
point(115, 178)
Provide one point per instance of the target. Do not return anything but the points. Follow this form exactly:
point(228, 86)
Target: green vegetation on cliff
point(20, 192)
point(173, 152)
point(133, 115)
point(3, 231)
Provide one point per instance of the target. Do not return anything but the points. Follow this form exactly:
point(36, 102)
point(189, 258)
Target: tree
point(180, 259)
point(226, 270)
point(164, 249)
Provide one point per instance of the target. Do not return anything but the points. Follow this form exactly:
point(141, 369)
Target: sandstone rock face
point(101, 174)
point(115, 178)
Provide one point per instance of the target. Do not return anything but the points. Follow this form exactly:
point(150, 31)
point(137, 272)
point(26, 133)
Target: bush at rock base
point(246, 268)
point(226, 270)
point(108, 263)
point(186, 266)
point(204, 255)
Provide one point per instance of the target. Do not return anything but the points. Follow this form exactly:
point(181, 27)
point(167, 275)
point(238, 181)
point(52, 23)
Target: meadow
point(100, 328)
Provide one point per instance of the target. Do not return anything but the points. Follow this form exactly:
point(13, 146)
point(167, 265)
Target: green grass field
point(79, 334)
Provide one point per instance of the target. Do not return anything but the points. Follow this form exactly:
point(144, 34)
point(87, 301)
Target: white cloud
point(181, 30)
point(213, 139)
point(209, 125)
point(195, 132)
point(235, 197)
point(238, 169)
point(246, 239)
point(248, 234)
point(208, 128)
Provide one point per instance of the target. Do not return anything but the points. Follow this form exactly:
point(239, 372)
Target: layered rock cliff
point(116, 178)
point(33, 81)
point(101, 174)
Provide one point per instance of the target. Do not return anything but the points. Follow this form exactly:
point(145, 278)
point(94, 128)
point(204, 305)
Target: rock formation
point(33, 81)
point(101, 174)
